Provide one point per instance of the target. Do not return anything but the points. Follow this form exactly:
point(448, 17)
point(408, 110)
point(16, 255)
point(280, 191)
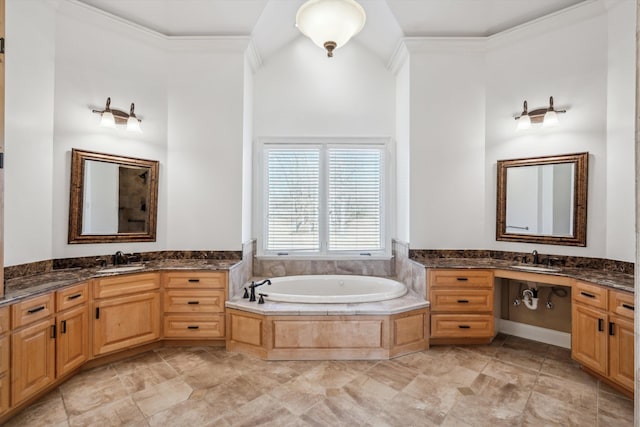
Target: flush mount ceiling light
point(330, 23)
point(111, 116)
point(548, 116)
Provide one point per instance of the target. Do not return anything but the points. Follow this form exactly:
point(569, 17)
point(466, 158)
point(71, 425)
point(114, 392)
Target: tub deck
point(298, 331)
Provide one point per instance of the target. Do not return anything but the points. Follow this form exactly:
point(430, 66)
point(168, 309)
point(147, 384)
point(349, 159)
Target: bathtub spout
point(253, 287)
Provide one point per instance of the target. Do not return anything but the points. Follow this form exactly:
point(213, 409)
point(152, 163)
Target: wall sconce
point(111, 116)
point(547, 116)
point(330, 23)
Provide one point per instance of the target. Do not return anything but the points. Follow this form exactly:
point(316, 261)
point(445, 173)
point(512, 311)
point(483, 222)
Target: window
point(324, 199)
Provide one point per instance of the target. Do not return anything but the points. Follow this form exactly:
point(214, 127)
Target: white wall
point(301, 92)
point(247, 153)
point(96, 58)
point(205, 141)
point(620, 130)
point(564, 57)
point(403, 151)
point(447, 145)
point(31, 50)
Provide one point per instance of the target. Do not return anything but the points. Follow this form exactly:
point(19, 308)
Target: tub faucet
point(253, 287)
point(536, 259)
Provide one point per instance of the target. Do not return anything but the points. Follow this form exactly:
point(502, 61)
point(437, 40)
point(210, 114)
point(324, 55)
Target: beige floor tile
point(119, 413)
point(299, 395)
point(405, 410)
point(544, 410)
point(614, 410)
point(86, 396)
point(336, 411)
point(331, 375)
point(499, 393)
point(263, 411)
point(567, 369)
point(392, 374)
point(189, 413)
point(575, 393)
point(162, 396)
point(519, 376)
point(184, 360)
point(45, 412)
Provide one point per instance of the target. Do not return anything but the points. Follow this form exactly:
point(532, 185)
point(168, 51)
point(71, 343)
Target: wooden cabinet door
point(72, 348)
point(589, 338)
point(621, 365)
point(32, 359)
point(126, 321)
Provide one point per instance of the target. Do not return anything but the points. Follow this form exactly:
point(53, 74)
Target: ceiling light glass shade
point(524, 122)
point(133, 125)
point(550, 119)
point(107, 120)
point(330, 23)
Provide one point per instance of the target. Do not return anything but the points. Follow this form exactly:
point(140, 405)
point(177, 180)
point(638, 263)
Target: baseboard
point(536, 333)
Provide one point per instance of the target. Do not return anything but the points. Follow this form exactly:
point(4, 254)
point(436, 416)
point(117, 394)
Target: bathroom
point(446, 106)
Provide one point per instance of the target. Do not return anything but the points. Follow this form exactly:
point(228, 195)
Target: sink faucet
point(253, 287)
point(119, 258)
point(536, 259)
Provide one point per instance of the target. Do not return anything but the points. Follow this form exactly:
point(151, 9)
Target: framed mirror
point(113, 198)
point(543, 200)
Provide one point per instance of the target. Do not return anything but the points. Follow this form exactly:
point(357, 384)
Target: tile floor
point(512, 382)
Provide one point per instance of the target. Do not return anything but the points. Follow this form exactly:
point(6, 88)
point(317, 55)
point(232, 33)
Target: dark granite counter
point(24, 287)
point(612, 279)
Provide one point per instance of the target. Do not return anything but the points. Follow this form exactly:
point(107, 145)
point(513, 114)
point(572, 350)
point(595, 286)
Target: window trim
point(260, 187)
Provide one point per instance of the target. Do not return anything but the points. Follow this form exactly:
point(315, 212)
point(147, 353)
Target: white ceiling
point(271, 22)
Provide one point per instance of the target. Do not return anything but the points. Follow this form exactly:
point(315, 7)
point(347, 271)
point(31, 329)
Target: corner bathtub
point(332, 289)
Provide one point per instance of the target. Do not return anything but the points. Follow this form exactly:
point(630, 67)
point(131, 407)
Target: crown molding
point(398, 58)
point(253, 56)
point(444, 44)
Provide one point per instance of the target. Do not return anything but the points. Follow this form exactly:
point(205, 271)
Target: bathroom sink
point(121, 269)
point(536, 269)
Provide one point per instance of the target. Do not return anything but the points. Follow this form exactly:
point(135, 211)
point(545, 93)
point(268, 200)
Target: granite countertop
point(608, 278)
point(23, 287)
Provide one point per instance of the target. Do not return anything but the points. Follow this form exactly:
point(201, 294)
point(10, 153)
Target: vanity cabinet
point(131, 318)
point(194, 304)
point(602, 336)
point(32, 347)
point(4, 360)
point(72, 320)
point(461, 305)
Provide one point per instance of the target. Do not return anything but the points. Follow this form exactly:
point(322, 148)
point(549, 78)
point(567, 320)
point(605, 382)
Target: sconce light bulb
point(550, 119)
point(107, 119)
point(524, 122)
point(133, 125)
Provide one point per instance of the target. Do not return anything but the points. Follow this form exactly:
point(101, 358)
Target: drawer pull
point(600, 325)
point(462, 279)
point(76, 296)
point(629, 307)
point(193, 327)
point(464, 326)
point(463, 301)
point(612, 328)
point(587, 294)
point(63, 327)
point(194, 280)
point(35, 310)
point(97, 312)
point(53, 331)
point(193, 302)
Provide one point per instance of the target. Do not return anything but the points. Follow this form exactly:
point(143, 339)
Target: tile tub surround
point(299, 267)
point(483, 385)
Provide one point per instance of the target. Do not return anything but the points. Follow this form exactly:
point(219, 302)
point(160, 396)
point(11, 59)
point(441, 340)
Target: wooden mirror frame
point(579, 236)
point(78, 158)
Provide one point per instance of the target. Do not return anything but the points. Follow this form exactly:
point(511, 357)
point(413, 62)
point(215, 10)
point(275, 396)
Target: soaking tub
point(332, 289)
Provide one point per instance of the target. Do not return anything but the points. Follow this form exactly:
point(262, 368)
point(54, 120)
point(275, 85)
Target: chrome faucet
point(536, 259)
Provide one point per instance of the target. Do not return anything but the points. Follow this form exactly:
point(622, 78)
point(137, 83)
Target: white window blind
point(324, 199)
point(293, 199)
point(355, 200)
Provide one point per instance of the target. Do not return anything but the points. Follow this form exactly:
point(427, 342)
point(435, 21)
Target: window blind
point(292, 199)
point(355, 199)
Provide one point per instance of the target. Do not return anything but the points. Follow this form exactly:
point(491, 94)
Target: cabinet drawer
point(4, 354)
point(72, 296)
point(4, 393)
point(32, 309)
point(621, 303)
point(186, 280)
point(461, 300)
point(194, 326)
point(194, 301)
point(591, 295)
point(4, 319)
point(461, 278)
point(461, 325)
point(127, 284)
